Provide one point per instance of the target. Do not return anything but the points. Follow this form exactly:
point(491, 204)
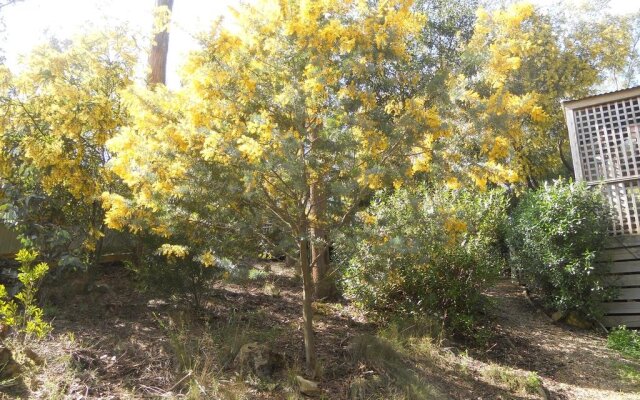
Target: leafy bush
point(625, 341)
point(555, 235)
point(185, 266)
point(420, 251)
point(167, 273)
point(25, 316)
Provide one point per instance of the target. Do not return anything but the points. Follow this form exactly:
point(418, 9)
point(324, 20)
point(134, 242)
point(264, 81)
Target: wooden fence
point(623, 252)
point(117, 246)
point(604, 132)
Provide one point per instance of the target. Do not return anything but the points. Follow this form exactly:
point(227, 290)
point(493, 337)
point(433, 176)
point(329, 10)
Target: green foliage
point(185, 278)
point(420, 251)
point(24, 315)
point(625, 341)
point(629, 373)
point(256, 274)
point(556, 234)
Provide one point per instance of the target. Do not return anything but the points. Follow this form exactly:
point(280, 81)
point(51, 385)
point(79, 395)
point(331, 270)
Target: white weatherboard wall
point(604, 132)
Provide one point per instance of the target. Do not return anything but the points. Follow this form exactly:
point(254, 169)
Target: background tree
point(56, 119)
point(519, 65)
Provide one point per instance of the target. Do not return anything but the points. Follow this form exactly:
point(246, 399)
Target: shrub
point(555, 236)
point(627, 342)
point(161, 270)
point(422, 251)
point(24, 315)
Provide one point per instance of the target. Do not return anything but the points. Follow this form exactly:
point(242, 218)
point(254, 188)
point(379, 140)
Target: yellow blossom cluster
point(173, 252)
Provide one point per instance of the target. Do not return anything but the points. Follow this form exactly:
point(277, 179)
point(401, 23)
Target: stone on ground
point(258, 359)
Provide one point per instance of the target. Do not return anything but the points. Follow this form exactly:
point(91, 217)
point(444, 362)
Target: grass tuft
point(625, 341)
point(516, 382)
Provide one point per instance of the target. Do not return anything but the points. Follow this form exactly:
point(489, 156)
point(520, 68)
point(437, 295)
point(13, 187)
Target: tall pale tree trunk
point(157, 75)
point(159, 51)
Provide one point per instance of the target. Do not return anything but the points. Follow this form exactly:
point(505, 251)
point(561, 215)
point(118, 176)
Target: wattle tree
point(301, 97)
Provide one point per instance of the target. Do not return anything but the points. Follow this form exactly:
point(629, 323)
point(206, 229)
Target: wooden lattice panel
point(624, 200)
point(605, 146)
point(608, 140)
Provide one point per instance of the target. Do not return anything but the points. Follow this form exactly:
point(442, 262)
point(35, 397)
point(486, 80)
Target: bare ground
point(116, 342)
point(573, 363)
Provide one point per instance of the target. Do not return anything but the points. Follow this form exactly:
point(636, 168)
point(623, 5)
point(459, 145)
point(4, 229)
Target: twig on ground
point(180, 381)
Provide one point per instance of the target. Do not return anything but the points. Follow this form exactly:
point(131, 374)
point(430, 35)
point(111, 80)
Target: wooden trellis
point(604, 132)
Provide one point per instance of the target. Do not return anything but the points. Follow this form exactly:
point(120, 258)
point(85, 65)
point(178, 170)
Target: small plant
point(627, 342)
point(256, 274)
point(174, 271)
point(628, 373)
point(517, 383)
point(24, 315)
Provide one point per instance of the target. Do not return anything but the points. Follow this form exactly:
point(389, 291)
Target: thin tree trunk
point(324, 287)
point(157, 74)
point(564, 159)
point(307, 310)
point(100, 244)
point(159, 51)
point(97, 223)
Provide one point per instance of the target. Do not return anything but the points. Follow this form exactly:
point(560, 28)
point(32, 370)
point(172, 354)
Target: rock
point(558, 315)
point(9, 368)
point(33, 356)
point(574, 319)
point(307, 387)
point(258, 359)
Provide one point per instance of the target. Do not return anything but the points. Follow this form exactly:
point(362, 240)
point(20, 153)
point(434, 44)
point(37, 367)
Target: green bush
point(174, 270)
point(625, 341)
point(555, 236)
point(423, 251)
point(24, 315)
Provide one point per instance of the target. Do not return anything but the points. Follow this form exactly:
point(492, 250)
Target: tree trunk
point(307, 310)
point(159, 51)
point(564, 159)
point(324, 286)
